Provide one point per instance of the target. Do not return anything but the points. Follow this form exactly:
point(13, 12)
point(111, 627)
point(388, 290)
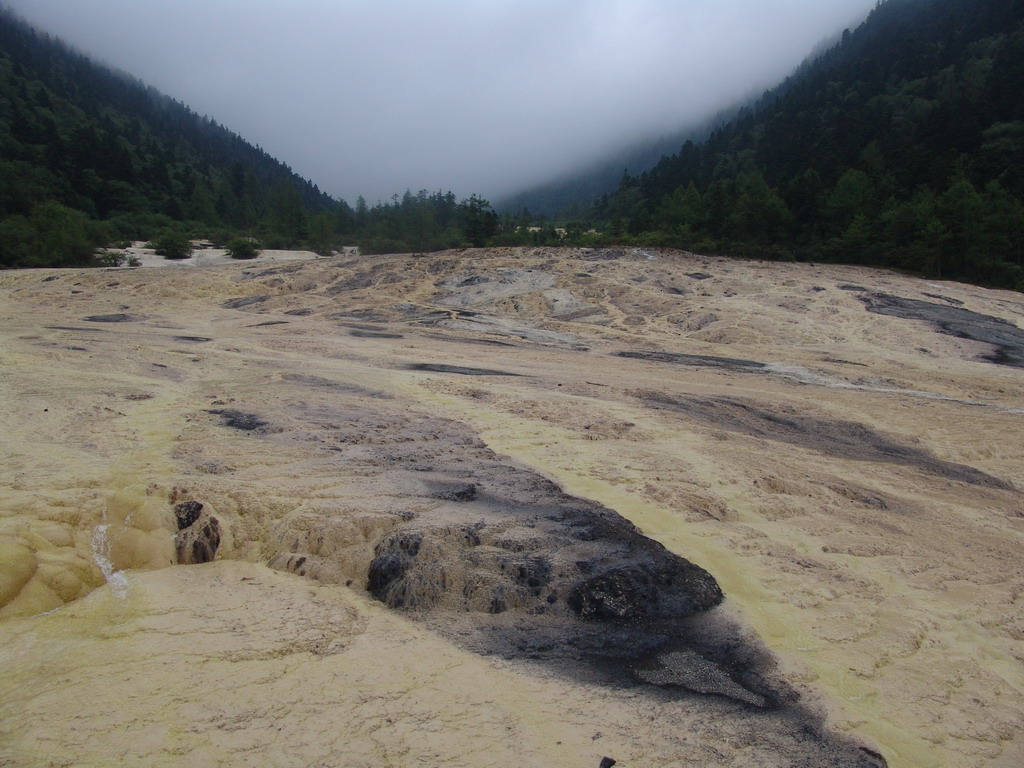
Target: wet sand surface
point(510, 507)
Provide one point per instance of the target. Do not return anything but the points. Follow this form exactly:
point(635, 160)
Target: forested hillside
point(89, 156)
point(571, 196)
point(902, 146)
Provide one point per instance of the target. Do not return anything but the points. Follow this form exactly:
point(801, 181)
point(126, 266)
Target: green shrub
point(111, 259)
point(172, 244)
point(243, 248)
point(116, 259)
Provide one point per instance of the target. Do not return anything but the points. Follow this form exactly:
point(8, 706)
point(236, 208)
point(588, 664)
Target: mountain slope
point(570, 195)
point(900, 146)
point(80, 144)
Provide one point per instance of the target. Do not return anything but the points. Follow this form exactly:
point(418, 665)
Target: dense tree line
point(89, 156)
point(901, 146)
point(436, 221)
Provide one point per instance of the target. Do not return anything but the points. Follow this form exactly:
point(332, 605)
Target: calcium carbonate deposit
point(510, 507)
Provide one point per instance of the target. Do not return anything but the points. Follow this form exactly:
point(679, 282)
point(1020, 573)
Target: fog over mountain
point(477, 97)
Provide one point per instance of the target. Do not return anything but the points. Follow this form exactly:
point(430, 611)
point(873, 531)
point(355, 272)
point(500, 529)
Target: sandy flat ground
point(852, 480)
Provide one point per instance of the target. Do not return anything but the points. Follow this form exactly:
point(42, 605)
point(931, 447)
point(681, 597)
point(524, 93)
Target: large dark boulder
point(199, 533)
point(674, 589)
point(394, 556)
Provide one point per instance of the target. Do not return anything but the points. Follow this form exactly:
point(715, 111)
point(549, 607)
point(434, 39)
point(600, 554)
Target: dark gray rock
point(704, 361)
point(375, 334)
point(244, 301)
point(457, 369)
point(671, 589)
point(187, 513)
point(473, 280)
point(199, 542)
point(955, 321)
point(118, 317)
point(831, 437)
point(354, 283)
point(247, 422)
point(604, 254)
point(494, 573)
point(394, 556)
point(954, 302)
point(524, 549)
point(454, 492)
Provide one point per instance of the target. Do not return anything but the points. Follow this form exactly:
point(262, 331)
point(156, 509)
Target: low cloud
point(483, 96)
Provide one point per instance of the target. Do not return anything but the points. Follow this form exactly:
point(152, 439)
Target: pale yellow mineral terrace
point(890, 589)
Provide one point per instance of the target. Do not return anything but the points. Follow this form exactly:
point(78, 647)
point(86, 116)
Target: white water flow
point(100, 543)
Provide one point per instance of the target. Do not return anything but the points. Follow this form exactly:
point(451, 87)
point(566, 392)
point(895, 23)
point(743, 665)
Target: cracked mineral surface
point(510, 507)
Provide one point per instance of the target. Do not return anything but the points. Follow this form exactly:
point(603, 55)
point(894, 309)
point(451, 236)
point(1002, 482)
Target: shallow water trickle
point(100, 544)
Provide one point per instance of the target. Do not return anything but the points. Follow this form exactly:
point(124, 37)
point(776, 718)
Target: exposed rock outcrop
point(199, 534)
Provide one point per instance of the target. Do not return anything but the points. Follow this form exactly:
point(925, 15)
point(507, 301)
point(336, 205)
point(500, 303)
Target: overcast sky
point(373, 97)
